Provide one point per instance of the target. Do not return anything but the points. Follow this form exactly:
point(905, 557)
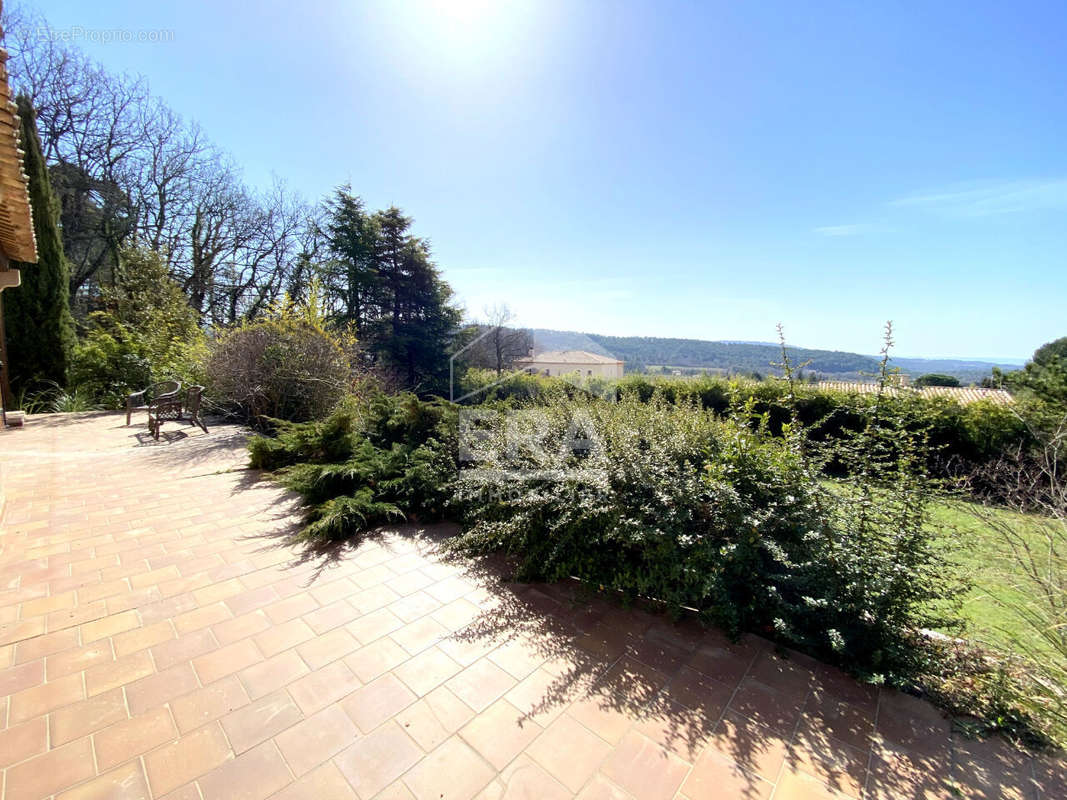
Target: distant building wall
point(556, 369)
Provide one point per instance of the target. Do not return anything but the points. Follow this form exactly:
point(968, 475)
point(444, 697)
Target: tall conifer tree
point(40, 329)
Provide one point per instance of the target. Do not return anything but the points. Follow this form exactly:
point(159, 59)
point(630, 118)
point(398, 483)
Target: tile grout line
point(722, 716)
point(144, 771)
point(791, 742)
point(870, 750)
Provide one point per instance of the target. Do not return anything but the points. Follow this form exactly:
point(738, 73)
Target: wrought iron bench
point(142, 400)
point(170, 409)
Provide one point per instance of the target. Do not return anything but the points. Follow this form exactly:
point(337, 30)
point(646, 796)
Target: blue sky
point(666, 169)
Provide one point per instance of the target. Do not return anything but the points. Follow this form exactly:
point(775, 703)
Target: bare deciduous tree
point(503, 345)
point(126, 167)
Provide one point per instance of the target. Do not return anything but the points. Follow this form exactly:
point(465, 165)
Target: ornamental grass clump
point(1025, 509)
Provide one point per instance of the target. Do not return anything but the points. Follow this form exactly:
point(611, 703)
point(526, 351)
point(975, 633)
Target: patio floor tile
point(376, 658)
point(254, 775)
point(209, 703)
point(716, 775)
point(435, 717)
point(132, 737)
point(264, 677)
point(317, 739)
point(259, 721)
point(500, 733)
point(426, 671)
point(569, 752)
point(23, 741)
point(324, 783)
point(380, 700)
point(80, 719)
point(323, 686)
point(480, 684)
point(452, 770)
point(376, 760)
point(187, 758)
point(124, 783)
point(53, 771)
point(644, 768)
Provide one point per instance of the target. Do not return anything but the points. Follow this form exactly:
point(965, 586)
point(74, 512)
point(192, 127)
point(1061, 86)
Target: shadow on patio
point(738, 719)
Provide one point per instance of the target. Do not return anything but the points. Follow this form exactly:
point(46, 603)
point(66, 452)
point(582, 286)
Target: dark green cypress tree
point(40, 328)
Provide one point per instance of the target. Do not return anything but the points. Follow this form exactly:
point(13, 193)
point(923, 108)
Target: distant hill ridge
point(640, 352)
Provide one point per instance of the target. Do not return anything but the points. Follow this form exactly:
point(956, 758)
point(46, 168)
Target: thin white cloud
point(844, 230)
point(990, 198)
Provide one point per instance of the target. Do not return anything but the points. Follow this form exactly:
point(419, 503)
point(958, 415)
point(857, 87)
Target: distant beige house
point(571, 362)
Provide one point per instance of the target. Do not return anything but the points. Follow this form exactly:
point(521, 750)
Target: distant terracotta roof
point(568, 357)
point(16, 222)
point(963, 395)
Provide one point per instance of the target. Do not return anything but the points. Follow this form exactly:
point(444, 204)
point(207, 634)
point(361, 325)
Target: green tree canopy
point(381, 279)
point(145, 332)
point(936, 379)
point(40, 329)
point(1044, 378)
point(350, 275)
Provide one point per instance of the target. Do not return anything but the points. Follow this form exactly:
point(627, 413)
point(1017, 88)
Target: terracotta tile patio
point(160, 638)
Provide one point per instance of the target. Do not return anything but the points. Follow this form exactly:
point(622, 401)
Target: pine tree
point(383, 281)
point(40, 329)
point(427, 324)
point(416, 318)
point(350, 277)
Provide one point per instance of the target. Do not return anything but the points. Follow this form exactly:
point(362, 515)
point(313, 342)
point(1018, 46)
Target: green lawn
point(986, 561)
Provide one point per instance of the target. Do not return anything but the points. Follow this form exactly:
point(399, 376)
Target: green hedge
point(673, 502)
point(962, 437)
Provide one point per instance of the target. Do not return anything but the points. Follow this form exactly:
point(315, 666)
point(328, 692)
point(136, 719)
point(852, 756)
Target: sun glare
point(464, 11)
point(470, 32)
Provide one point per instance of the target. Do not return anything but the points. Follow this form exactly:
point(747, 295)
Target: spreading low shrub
point(369, 462)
